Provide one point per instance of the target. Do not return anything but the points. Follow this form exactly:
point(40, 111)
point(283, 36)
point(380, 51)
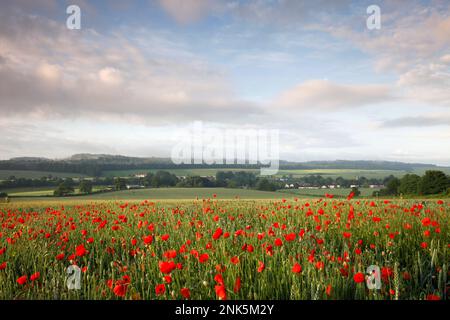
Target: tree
point(433, 182)
point(85, 186)
point(120, 184)
point(3, 195)
point(356, 191)
point(409, 184)
point(265, 185)
point(392, 186)
point(63, 189)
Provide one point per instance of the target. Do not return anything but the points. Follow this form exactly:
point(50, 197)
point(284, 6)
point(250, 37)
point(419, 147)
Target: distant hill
point(95, 164)
point(356, 164)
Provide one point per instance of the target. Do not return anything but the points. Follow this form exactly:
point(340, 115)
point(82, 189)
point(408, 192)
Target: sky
point(138, 71)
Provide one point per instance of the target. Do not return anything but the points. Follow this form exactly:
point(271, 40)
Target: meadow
point(295, 173)
point(153, 194)
point(30, 174)
point(225, 249)
point(342, 192)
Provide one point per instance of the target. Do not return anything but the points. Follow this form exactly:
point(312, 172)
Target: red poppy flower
point(426, 221)
point(120, 290)
point(328, 290)
point(185, 292)
point(22, 280)
point(290, 237)
point(235, 260)
point(387, 273)
point(433, 297)
point(217, 234)
point(297, 268)
point(167, 267)
point(80, 250)
point(203, 258)
point(3, 266)
point(170, 254)
point(35, 276)
point(261, 266)
point(347, 235)
point(221, 292)
point(148, 239)
point(237, 285)
point(278, 242)
point(160, 289)
point(219, 279)
point(165, 237)
point(320, 265)
point(358, 277)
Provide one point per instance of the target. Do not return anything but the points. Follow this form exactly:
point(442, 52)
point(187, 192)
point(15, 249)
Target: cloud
point(417, 121)
point(186, 11)
point(324, 94)
point(413, 42)
point(47, 70)
point(287, 13)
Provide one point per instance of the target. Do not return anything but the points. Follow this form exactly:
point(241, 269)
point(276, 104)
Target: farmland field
point(40, 191)
point(334, 173)
point(170, 193)
point(5, 174)
point(296, 173)
point(228, 249)
point(365, 192)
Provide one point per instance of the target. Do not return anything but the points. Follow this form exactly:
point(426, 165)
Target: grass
point(29, 174)
point(233, 249)
point(365, 192)
point(296, 173)
point(169, 193)
point(177, 172)
point(39, 191)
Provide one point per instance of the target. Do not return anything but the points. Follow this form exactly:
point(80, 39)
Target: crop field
point(5, 174)
point(225, 249)
point(41, 191)
point(343, 192)
point(166, 194)
point(333, 173)
point(208, 172)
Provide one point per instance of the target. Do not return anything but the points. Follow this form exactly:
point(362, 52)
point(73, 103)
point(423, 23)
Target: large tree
point(409, 184)
point(120, 184)
point(63, 189)
point(433, 182)
point(85, 186)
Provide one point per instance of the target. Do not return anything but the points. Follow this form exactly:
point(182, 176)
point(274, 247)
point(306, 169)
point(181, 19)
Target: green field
point(178, 172)
point(333, 173)
point(5, 174)
point(365, 192)
point(168, 193)
point(39, 191)
point(296, 173)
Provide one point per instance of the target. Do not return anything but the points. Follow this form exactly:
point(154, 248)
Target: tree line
point(432, 182)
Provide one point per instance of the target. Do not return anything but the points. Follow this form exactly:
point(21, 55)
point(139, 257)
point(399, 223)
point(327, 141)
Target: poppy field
point(226, 249)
